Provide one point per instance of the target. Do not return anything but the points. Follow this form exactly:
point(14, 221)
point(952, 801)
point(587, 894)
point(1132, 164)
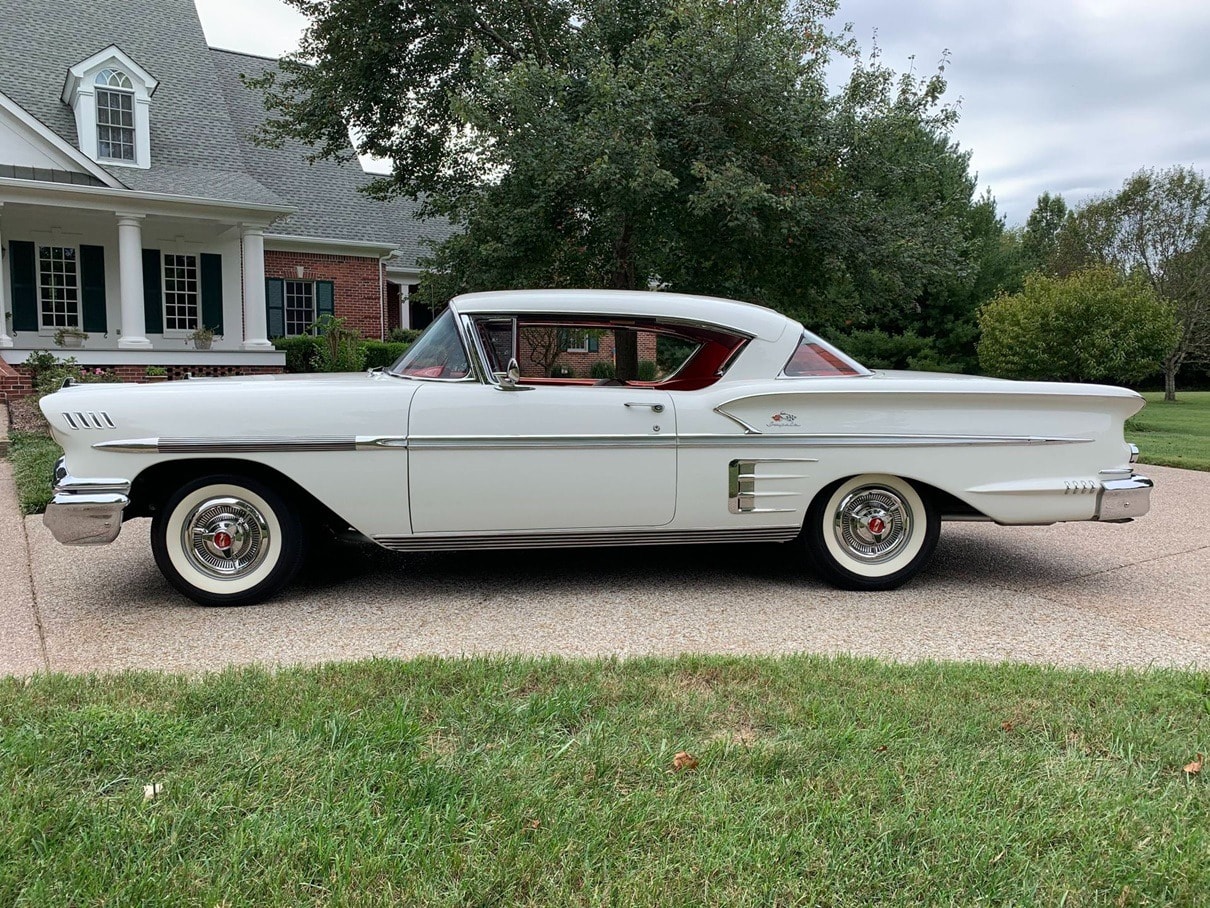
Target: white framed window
point(182, 299)
point(58, 287)
point(110, 95)
point(299, 307)
point(115, 116)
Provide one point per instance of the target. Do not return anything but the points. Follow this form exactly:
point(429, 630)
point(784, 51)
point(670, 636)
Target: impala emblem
point(782, 418)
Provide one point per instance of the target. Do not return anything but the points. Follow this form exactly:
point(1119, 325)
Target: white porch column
point(256, 331)
point(5, 340)
point(130, 277)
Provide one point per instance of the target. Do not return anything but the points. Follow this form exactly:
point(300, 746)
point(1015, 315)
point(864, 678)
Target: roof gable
point(25, 143)
point(110, 56)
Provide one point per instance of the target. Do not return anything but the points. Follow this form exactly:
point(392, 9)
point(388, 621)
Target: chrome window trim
point(469, 377)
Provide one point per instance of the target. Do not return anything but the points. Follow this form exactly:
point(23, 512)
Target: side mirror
point(511, 379)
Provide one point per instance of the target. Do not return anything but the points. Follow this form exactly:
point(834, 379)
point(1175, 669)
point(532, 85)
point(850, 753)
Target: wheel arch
point(949, 506)
point(152, 486)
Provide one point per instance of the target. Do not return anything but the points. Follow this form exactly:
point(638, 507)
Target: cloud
point(1068, 97)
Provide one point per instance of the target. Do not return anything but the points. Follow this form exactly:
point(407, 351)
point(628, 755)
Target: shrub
point(602, 369)
point(647, 370)
point(48, 372)
point(402, 336)
point(340, 348)
point(380, 354)
point(302, 352)
point(1093, 325)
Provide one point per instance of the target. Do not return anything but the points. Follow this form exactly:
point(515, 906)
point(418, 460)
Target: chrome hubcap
point(872, 524)
point(225, 538)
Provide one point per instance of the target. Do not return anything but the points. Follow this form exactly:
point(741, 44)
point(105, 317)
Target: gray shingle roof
point(326, 192)
point(193, 146)
point(201, 118)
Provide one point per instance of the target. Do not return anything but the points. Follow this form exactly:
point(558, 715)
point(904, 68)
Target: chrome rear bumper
point(86, 511)
point(1121, 500)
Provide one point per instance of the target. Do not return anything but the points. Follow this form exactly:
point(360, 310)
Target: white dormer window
point(115, 116)
point(110, 95)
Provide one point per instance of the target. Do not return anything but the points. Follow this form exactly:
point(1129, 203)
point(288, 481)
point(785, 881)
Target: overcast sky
point(1070, 96)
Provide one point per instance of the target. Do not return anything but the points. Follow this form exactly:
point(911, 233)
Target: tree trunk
point(1170, 380)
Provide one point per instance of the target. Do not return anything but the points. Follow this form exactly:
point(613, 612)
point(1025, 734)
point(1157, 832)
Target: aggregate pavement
point(1084, 594)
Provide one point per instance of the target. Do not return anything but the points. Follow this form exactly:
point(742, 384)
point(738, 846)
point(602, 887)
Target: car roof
point(747, 318)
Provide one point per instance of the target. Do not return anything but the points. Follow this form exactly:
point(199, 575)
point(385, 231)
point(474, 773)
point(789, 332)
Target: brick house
point(135, 208)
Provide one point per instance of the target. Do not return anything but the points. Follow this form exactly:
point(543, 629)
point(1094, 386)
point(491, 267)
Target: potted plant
point(70, 337)
point(202, 337)
point(157, 373)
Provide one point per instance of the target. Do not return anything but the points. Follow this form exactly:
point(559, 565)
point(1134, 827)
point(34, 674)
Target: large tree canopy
point(693, 144)
point(1157, 228)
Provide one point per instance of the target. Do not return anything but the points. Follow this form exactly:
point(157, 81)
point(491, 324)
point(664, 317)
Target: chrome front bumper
point(1121, 500)
point(86, 511)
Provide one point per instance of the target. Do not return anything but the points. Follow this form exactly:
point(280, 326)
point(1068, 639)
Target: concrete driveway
point(1075, 594)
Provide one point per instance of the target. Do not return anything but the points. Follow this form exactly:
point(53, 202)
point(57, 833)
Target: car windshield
point(437, 354)
point(817, 358)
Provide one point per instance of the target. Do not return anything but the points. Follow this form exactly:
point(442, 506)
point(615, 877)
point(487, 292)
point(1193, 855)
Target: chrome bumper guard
point(86, 511)
point(1121, 500)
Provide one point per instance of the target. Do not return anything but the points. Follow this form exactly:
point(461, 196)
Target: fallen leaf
point(1007, 726)
point(533, 824)
point(1195, 767)
point(153, 791)
point(684, 760)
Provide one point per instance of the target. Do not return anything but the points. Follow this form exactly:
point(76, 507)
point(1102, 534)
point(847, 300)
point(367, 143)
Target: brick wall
point(355, 280)
point(581, 362)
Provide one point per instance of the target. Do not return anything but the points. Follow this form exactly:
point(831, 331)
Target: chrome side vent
point(743, 496)
point(98, 419)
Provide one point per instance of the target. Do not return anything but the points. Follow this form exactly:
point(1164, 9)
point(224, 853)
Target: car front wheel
point(871, 532)
point(227, 540)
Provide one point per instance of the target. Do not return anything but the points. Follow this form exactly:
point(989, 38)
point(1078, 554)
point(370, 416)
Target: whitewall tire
point(871, 532)
point(227, 540)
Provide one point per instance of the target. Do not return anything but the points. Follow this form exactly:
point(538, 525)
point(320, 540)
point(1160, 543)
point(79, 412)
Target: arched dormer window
point(115, 116)
point(110, 95)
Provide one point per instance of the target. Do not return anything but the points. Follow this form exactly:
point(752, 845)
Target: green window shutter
point(594, 344)
point(24, 273)
point(325, 298)
point(92, 288)
point(153, 294)
point(275, 306)
point(211, 280)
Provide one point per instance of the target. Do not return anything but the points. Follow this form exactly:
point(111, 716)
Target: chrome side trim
point(547, 442)
point(253, 444)
point(873, 441)
point(742, 493)
point(582, 539)
point(748, 429)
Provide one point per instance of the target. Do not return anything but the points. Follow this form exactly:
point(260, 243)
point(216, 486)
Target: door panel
point(551, 457)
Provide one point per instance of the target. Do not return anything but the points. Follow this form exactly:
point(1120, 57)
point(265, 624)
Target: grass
point(1173, 434)
point(510, 781)
point(33, 455)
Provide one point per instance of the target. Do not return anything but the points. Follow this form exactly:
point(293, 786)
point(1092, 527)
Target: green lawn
point(1173, 434)
point(502, 782)
point(33, 455)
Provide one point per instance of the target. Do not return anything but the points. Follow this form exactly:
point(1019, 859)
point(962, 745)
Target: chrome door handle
point(658, 408)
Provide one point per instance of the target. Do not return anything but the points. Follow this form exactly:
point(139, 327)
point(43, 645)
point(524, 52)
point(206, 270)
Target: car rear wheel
point(227, 540)
point(871, 532)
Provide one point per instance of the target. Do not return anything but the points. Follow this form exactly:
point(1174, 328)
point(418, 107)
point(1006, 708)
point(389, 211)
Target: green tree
point(1093, 325)
point(1157, 227)
point(692, 144)
point(1040, 238)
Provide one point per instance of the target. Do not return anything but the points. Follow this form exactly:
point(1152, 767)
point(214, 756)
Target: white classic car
point(751, 429)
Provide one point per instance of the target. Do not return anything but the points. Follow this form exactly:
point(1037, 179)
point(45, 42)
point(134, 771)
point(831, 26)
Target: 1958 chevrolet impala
point(757, 431)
